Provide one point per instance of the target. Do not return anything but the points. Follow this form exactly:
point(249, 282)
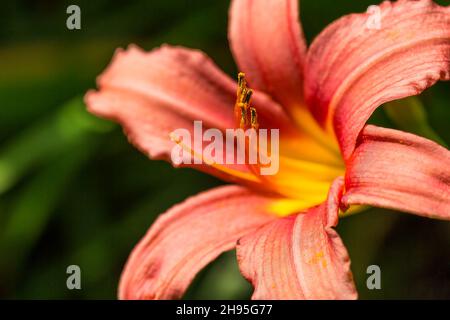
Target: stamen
point(242, 94)
point(247, 117)
point(242, 105)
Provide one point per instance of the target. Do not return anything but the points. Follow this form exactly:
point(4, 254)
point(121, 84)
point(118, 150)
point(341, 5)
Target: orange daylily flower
point(320, 98)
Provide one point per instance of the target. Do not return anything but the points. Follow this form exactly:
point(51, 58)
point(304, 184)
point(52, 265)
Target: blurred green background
point(74, 191)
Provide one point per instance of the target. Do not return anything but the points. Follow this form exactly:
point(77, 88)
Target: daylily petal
point(175, 79)
point(299, 257)
point(152, 94)
point(352, 69)
point(189, 236)
point(399, 170)
point(268, 44)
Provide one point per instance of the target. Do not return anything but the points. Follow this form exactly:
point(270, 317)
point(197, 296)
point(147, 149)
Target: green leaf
point(31, 208)
point(47, 139)
point(410, 115)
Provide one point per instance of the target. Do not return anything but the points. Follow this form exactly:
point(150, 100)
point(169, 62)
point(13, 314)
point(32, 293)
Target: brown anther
point(241, 80)
point(254, 118)
point(247, 96)
point(242, 94)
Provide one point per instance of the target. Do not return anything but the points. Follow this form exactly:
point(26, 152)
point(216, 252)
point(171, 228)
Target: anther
point(241, 80)
point(254, 118)
point(247, 96)
point(242, 94)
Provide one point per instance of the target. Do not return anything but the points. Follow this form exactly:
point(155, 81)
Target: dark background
point(73, 191)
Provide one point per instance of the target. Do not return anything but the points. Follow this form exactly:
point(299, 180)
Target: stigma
point(245, 114)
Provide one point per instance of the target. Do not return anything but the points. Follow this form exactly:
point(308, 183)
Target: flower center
point(306, 167)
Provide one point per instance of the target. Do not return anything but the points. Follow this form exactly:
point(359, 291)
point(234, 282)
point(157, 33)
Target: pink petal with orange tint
point(352, 69)
point(189, 236)
point(299, 257)
point(398, 170)
point(268, 44)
